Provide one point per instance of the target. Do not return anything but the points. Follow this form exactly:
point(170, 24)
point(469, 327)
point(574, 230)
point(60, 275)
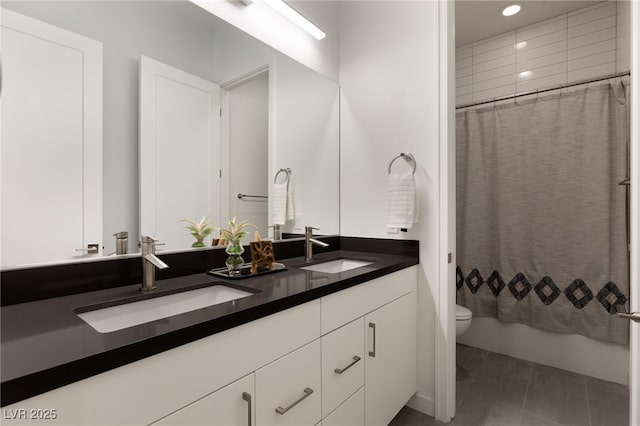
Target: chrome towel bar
point(243, 196)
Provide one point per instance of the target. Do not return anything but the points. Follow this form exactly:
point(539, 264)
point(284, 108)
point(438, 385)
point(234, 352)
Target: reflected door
point(179, 152)
point(245, 178)
point(51, 142)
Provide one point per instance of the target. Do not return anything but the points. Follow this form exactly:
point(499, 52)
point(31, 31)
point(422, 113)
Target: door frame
point(634, 284)
point(445, 330)
point(225, 146)
point(445, 348)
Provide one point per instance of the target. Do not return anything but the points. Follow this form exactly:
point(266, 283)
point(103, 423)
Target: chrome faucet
point(149, 263)
point(309, 241)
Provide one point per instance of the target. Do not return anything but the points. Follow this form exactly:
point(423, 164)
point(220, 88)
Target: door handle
point(622, 313)
point(372, 353)
point(91, 249)
point(633, 316)
point(247, 397)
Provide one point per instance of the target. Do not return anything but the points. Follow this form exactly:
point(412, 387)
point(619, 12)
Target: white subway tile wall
point(587, 43)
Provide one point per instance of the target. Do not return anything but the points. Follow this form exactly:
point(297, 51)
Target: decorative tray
point(245, 271)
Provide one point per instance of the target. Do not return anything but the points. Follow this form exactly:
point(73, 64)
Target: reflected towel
point(290, 214)
point(279, 203)
point(401, 200)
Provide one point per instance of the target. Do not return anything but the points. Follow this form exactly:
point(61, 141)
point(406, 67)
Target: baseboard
point(424, 404)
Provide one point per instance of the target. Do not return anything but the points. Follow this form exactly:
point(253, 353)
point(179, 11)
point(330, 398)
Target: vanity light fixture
point(293, 15)
point(511, 9)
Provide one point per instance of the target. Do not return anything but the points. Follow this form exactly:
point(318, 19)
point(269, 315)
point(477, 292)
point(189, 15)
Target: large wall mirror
point(197, 119)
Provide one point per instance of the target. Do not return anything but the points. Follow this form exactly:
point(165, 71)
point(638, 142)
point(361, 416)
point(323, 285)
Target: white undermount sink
point(337, 266)
point(118, 317)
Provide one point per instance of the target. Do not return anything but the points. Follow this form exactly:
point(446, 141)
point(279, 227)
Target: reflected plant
point(199, 230)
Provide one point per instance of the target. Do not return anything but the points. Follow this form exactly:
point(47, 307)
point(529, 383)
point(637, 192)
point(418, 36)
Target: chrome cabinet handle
point(307, 392)
point(247, 397)
point(373, 352)
point(342, 370)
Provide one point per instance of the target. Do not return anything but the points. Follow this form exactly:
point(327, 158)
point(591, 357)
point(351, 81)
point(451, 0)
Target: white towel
point(290, 213)
point(401, 200)
point(279, 203)
point(282, 203)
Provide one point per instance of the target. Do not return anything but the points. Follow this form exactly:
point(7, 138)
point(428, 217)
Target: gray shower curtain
point(541, 219)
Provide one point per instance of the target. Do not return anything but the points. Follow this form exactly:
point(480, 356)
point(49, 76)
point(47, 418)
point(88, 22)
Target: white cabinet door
point(350, 413)
point(288, 390)
point(51, 142)
point(179, 152)
point(342, 364)
point(390, 359)
point(232, 405)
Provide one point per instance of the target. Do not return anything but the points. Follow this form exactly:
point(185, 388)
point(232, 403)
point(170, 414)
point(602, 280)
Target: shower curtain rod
point(533, 92)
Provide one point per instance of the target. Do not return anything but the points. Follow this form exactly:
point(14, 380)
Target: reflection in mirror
point(277, 114)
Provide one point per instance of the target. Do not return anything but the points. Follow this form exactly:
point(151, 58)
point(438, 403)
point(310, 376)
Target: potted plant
point(234, 234)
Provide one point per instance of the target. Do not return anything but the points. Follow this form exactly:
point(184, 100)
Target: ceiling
point(480, 19)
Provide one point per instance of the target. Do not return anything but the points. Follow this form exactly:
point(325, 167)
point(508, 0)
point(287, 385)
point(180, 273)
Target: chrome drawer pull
point(307, 392)
point(342, 370)
point(247, 397)
point(373, 352)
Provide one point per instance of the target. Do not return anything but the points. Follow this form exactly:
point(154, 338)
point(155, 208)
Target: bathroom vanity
point(305, 348)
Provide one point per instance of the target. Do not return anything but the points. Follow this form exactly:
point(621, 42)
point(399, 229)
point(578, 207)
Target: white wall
point(269, 26)
point(586, 43)
point(389, 103)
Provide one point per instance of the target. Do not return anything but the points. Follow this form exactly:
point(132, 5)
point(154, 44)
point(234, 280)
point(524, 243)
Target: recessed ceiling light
point(511, 10)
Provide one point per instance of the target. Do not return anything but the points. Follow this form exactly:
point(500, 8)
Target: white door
point(390, 359)
point(245, 118)
point(51, 142)
point(179, 152)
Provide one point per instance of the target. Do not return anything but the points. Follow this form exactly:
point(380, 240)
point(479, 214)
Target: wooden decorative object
point(261, 255)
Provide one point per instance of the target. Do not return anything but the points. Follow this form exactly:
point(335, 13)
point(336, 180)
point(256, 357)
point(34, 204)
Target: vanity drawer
point(344, 306)
point(342, 364)
point(288, 391)
point(351, 413)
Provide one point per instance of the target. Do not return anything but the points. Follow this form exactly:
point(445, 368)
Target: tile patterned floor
point(498, 390)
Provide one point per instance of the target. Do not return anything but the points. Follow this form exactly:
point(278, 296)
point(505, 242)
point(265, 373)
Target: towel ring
point(286, 171)
point(406, 156)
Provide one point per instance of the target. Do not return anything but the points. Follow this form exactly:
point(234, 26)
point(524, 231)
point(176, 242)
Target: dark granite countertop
point(45, 345)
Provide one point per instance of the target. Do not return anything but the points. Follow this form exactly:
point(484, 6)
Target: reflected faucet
point(149, 263)
point(309, 241)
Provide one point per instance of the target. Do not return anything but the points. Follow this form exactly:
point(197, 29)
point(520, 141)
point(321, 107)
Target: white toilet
point(463, 319)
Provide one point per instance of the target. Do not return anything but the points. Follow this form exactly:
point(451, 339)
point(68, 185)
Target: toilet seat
point(462, 313)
